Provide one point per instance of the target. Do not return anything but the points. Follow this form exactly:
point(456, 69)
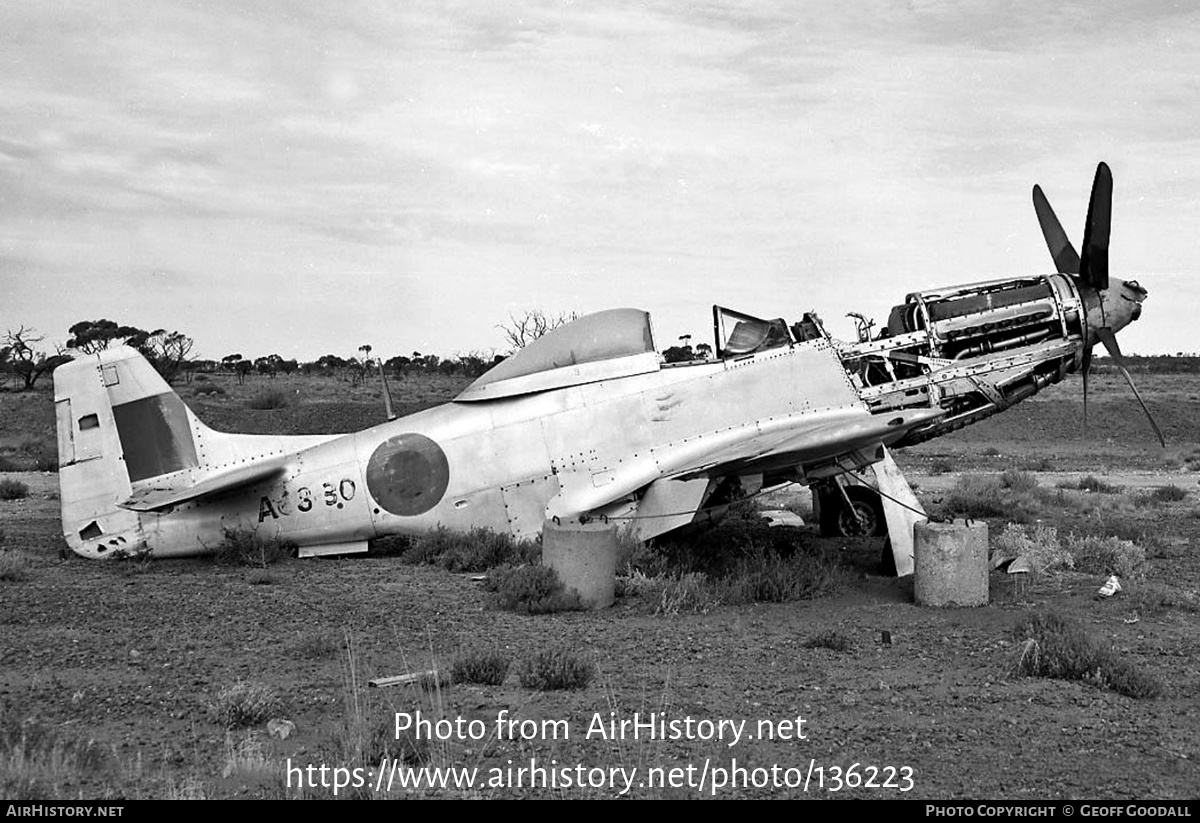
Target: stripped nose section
point(1117, 306)
point(1123, 302)
point(1138, 295)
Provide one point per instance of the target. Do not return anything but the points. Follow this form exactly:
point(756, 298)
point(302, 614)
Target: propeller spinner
point(1109, 304)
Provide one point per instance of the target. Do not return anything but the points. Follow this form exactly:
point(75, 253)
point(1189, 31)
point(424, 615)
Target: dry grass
point(1107, 555)
point(316, 645)
point(555, 669)
point(1156, 599)
point(243, 704)
point(262, 577)
point(532, 589)
point(978, 496)
point(1168, 494)
point(478, 550)
point(1054, 646)
point(830, 639)
point(1090, 483)
point(14, 567)
point(1092, 506)
point(38, 761)
point(270, 399)
point(13, 489)
point(485, 668)
point(1018, 481)
point(765, 576)
point(1041, 547)
point(246, 547)
point(367, 732)
point(688, 593)
point(1094, 553)
point(759, 576)
point(246, 760)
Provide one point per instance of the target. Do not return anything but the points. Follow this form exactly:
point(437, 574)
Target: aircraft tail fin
point(130, 450)
point(118, 423)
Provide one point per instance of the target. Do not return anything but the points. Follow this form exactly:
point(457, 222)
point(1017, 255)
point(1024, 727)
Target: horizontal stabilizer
point(170, 490)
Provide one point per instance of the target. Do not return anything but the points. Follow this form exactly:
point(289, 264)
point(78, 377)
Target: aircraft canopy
point(567, 352)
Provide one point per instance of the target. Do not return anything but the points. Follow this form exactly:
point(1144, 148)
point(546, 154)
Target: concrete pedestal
point(585, 557)
point(950, 564)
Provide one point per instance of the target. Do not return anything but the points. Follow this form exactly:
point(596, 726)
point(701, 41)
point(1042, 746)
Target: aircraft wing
point(802, 439)
point(783, 443)
point(172, 489)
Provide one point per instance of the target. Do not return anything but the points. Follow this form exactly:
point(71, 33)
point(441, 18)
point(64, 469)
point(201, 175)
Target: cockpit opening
point(740, 335)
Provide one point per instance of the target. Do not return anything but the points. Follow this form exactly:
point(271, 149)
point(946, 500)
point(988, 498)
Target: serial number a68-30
point(335, 494)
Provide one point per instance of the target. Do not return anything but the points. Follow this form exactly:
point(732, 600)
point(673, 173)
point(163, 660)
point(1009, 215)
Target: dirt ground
point(129, 657)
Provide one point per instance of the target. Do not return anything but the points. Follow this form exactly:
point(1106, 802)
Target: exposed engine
point(972, 350)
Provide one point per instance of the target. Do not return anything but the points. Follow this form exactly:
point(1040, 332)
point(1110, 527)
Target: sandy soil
point(132, 656)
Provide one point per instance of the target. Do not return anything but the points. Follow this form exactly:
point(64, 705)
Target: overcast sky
point(305, 178)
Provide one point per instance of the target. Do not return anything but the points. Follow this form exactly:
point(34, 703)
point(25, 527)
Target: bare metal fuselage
point(627, 438)
point(588, 422)
point(510, 463)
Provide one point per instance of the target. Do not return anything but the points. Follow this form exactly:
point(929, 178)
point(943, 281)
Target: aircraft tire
point(839, 521)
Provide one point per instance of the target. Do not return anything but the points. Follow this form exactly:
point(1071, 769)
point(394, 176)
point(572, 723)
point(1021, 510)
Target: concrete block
point(950, 563)
point(585, 557)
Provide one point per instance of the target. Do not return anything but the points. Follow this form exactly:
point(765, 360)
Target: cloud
point(580, 156)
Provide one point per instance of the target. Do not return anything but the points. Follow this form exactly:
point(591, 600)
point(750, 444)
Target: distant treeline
point(1153, 364)
point(24, 358)
point(470, 365)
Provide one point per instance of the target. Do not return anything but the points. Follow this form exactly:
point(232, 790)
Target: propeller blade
point(1093, 266)
point(1110, 342)
point(1065, 258)
point(1087, 366)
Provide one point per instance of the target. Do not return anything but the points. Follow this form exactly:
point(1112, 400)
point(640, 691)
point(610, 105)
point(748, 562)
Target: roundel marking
point(408, 474)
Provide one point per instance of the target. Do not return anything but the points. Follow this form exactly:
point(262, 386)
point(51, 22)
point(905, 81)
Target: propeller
point(1106, 303)
point(1093, 266)
point(1109, 339)
point(1065, 258)
point(1086, 367)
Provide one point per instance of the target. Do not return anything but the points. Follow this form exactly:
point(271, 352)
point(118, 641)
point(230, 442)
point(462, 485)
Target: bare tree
point(523, 330)
point(362, 366)
point(167, 351)
point(475, 362)
point(20, 357)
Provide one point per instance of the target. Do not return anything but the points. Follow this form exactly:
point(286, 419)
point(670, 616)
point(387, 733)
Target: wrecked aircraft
point(589, 422)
